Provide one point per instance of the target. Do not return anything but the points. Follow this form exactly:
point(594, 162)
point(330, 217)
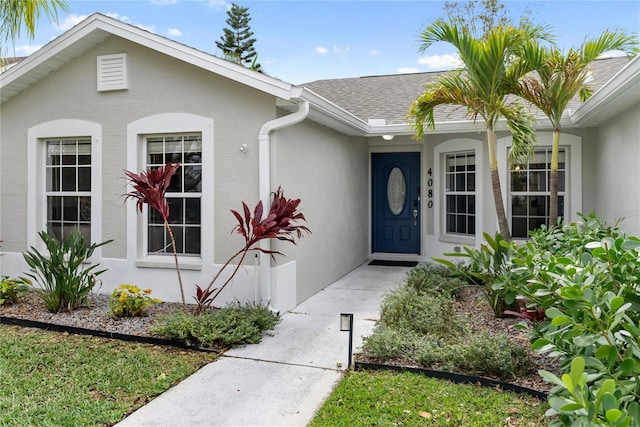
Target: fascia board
point(459, 126)
point(333, 113)
point(624, 84)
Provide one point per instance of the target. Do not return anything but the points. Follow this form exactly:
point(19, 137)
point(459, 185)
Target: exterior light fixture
point(346, 324)
point(243, 148)
point(387, 137)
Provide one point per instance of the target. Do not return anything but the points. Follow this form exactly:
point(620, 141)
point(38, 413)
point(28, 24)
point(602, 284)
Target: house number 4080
point(430, 189)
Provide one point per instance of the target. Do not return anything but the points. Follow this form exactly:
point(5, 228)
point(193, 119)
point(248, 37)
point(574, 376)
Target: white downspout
point(264, 167)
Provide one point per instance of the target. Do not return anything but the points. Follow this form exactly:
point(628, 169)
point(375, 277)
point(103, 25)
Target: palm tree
point(490, 71)
point(16, 14)
point(557, 79)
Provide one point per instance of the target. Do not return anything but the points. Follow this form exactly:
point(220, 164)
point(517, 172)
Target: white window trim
point(36, 177)
point(573, 171)
point(453, 146)
point(170, 123)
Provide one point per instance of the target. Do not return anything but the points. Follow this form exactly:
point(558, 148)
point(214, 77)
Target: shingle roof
point(389, 97)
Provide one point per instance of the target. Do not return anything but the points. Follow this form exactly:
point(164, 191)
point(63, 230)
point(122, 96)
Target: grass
point(55, 379)
point(405, 399)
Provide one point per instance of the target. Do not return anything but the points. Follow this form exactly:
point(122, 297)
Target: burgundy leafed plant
point(280, 223)
point(150, 187)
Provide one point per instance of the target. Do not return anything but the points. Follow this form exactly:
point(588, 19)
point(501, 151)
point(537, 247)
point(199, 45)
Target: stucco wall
point(329, 173)
point(615, 170)
point(157, 84)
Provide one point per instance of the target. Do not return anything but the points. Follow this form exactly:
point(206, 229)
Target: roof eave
point(615, 96)
point(97, 27)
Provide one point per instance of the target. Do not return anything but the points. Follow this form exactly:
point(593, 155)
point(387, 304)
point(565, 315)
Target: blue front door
point(395, 202)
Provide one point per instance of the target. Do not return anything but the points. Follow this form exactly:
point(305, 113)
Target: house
point(106, 97)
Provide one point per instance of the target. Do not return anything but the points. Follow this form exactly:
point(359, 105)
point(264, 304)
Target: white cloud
point(336, 50)
point(341, 51)
point(70, 21)
point(407, 70)
point(127, 20)
point(117, 16)
point(374, 52)
point(219, 5)
point(175, 32)
point(150, 28)
point(26, 50)
point(163, 2)
point(440, 62)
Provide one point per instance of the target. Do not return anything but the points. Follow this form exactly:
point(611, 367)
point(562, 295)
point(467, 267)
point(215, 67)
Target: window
point(530, 189)
point(459, 193)
point(68, 187)
point(184, 194)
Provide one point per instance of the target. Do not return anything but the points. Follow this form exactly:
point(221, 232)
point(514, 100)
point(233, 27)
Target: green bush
point(434, 280)
point(585, 276)
point(229, 326)
point(63, 278)
point(482, 353)
point(422, 313)
point(485, 267)
point(423, 329)
point(388, 343)
point(10, 289)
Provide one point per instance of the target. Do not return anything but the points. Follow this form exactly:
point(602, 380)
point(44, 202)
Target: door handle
point(415, 217)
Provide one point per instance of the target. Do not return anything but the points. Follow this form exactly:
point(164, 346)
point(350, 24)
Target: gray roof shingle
point(389, 97)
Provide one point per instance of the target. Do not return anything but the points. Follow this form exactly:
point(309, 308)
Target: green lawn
point(406, 399)
point(55, 379)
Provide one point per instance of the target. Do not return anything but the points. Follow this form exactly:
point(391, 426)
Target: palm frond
point(520, 124)
point(609, 40)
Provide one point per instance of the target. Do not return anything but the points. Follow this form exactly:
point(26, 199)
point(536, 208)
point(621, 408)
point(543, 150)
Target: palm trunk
point(553, 180)
point(175, 257)
point(503, 224)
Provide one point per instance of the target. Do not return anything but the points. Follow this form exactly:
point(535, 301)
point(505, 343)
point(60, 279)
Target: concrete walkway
point(283, 380)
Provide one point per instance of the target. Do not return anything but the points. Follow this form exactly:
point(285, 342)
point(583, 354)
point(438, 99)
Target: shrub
point(421, 313)
point(490, 355)
point(424, 329)
point(388, 343)
point(229, 326)
point(434, 280)
point(131, 301)
point(590, 292)
point(485, 268)
point(64, 281)
point(10, 289)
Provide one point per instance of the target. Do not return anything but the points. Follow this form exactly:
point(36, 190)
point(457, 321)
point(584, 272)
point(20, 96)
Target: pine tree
point(237, 42)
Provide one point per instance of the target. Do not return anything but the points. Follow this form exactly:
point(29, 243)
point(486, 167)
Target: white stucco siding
point(616, 173)
point(329, 173)
point(157, 84)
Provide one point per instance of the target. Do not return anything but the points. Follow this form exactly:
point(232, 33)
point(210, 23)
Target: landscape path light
point(346, 324)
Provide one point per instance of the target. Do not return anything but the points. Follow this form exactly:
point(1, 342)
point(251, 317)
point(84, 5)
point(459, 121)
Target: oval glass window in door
point(396, 191)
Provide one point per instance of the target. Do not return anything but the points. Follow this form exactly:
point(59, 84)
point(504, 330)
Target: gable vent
point(112, 72)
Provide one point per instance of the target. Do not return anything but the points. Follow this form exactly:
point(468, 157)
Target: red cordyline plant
point(279, 223)
point(150, 187)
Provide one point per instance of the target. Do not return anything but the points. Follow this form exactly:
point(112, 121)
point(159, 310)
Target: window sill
point(169, 262)
point(458, 240)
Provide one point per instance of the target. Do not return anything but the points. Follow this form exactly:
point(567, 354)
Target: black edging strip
point(453, 377)
point(104, 334)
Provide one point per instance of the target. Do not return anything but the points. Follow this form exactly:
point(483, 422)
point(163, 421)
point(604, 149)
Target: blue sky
point(302, 41)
